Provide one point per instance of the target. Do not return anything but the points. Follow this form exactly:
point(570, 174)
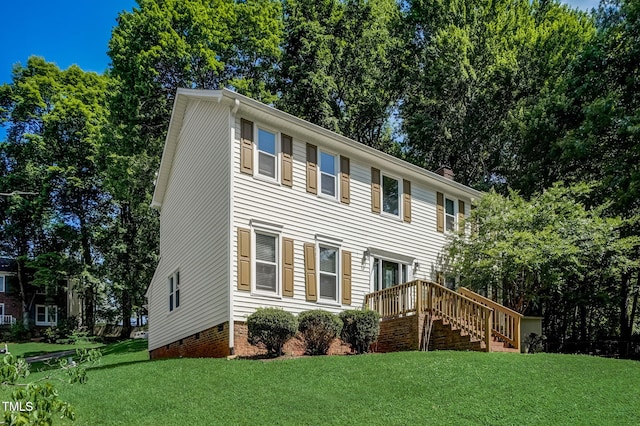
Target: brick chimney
point(445, 172)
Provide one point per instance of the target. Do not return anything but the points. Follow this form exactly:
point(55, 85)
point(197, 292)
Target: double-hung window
point(46, 315)
point(328, 175)
point(328, 273)
point(450, 214)
point(391, 195)
point(267, 154)
point(266, 262)
point(174, 290)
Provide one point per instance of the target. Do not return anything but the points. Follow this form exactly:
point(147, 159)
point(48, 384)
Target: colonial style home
point(46, 307)
point(259, 208)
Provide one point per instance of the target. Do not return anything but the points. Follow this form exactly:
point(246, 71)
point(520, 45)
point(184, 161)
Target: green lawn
point(401, 388)
point(37, 348)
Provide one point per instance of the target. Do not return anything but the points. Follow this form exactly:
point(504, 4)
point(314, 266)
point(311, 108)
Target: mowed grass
point(439, 388)
point(37, 348)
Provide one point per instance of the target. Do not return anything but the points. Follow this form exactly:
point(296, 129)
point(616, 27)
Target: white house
point(259, 208)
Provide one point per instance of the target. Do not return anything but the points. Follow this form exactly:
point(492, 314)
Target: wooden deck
point(466, 313)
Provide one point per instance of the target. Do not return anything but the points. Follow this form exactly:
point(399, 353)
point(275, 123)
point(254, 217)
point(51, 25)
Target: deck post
point(418, 297)
point(487, 328)
point(516, 333)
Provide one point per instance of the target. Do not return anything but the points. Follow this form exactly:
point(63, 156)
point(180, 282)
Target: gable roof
point(296, 127)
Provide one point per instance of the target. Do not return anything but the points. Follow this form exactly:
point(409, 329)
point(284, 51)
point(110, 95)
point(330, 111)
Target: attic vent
point(446, 172)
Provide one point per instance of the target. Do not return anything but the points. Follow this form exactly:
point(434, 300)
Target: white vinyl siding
point(194, 229)
point(303, 216)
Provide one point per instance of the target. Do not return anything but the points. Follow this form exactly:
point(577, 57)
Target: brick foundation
point(210, 343)
point(214, 343)
point(295, 346)
point(399, 334)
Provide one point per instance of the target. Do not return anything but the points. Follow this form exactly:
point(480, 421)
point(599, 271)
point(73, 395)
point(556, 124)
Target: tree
point(155, 49)
point(340, 66)
point(550, 253)
point(55, 120)
point(479, 66)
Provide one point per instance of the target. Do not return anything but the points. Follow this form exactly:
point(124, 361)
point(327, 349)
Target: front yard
point(398, 388)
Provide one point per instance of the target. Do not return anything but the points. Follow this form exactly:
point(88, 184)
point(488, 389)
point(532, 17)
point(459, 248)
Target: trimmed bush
point(318, 329)
point(360, 329)
point(271, 327)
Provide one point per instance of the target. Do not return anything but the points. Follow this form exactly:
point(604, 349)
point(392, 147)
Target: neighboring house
point(45, 310)
point(259, 208)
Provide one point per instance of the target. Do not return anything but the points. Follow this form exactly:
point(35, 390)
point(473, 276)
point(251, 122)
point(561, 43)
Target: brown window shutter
point(346, 278)
point(406, 200)
point(375, 190)
point(246, 146)
point(244, 259)
point(440, 211)
point(310, 271)
point(345, 180)
point(287, 160)
point(312, 169)
point(460, 215)
point(287, 267)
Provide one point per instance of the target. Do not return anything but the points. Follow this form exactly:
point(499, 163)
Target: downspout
point(232, 133)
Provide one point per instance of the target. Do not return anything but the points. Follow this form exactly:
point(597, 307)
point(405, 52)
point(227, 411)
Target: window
point(46, 315)
point(174, 290)
point(390, 195)
point(266, 262)
point(449, 214)
point(328, 273)
point(2, 278)
point(267, 152)
point(1, 313)
point(387, 273)
point(328, 174)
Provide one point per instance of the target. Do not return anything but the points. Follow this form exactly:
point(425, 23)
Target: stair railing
point(506, 322)
point(421, 296)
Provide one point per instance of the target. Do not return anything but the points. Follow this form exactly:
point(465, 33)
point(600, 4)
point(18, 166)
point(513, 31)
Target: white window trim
point(275, 230)
point(325, 241)
point(46, 315)
point(256, 153)
point(3, 313)
point(383, 255)
point(454, 215)
point(176, 288)
point(400, 192)
point(336, 176)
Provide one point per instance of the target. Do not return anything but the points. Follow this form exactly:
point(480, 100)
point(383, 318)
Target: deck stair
point(425, 315)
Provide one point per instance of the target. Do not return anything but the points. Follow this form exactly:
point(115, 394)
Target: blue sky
point(73, 31)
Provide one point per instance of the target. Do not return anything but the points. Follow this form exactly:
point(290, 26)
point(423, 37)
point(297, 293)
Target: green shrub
point(318, 329)
point(271, 327)
point(360, 329)
point(18, 331)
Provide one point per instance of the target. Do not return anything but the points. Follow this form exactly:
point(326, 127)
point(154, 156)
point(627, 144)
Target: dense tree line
point(514, 95)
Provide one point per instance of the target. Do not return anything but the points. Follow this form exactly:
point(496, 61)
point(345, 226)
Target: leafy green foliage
point(318, 329)
point(339, 65)
point(360, 329)
point(271, 327)
point(540, 254)
point(36, 403)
